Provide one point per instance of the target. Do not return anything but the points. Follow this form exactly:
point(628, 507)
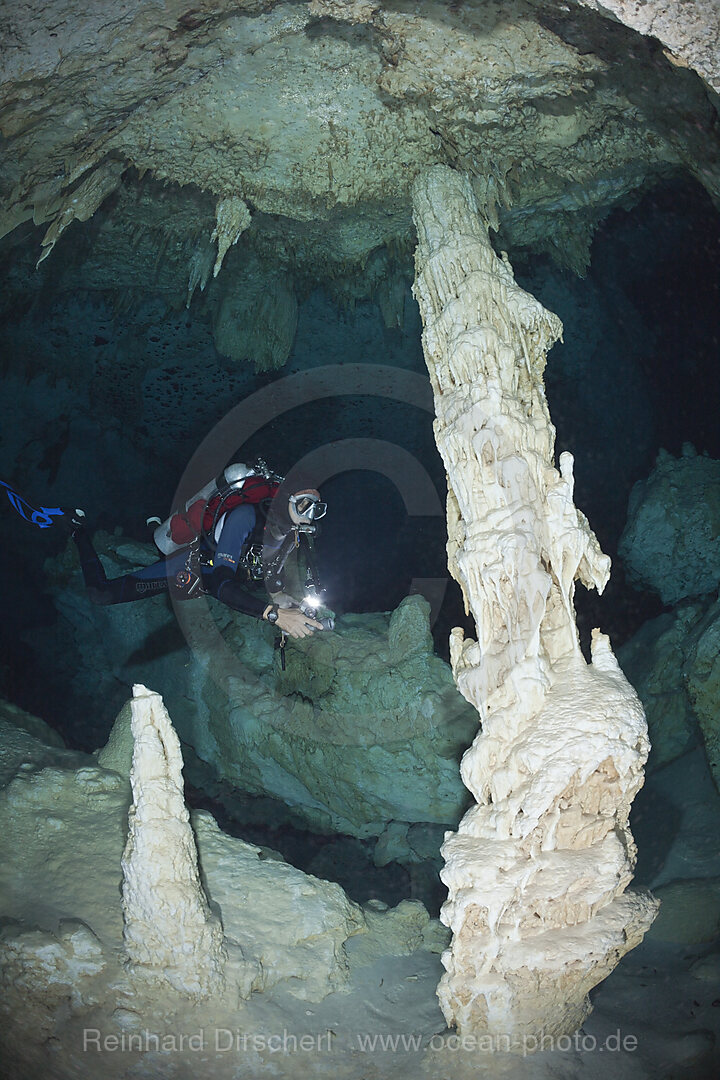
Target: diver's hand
point(326, 613)
point(294, 623)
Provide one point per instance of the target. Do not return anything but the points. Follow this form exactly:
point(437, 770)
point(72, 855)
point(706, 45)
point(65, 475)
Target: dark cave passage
point(638, 369)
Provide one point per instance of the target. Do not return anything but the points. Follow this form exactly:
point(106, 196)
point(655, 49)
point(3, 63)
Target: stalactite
point(232, 218)
point(256, 317)
point(201, 264)
point(390, 297)
point(538, 867)
point(81, 203)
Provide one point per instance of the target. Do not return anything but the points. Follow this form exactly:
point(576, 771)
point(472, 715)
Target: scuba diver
point(229, 535)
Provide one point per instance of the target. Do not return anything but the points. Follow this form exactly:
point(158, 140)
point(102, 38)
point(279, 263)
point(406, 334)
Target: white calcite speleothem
point(538, 868)
point(169, 932)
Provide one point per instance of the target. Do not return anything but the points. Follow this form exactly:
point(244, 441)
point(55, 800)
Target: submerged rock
point(363, 727)
point(33, 725)
point(654, 660)
point(671, 542)
point(689, 911)
point(674, 663)
point(290, 941)
point(703, 683)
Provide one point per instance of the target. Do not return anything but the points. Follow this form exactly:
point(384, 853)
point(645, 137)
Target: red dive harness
point(202, 516)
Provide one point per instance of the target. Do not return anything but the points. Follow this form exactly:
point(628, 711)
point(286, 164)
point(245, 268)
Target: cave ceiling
point(288, 134)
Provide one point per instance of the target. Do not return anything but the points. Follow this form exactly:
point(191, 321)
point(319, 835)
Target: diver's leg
point(149, 581)
point(237, 526)
point(93, 571)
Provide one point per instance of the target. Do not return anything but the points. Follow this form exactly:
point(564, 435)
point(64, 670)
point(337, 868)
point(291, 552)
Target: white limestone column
point(538, 868)
point(170, 934)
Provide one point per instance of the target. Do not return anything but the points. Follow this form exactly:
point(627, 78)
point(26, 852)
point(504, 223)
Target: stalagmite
point(537, 870)
point(169, 931)
point(232, 218)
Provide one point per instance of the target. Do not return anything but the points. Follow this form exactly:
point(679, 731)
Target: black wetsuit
point(224, 577)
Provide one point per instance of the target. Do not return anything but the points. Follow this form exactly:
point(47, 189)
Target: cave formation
point(517, 544)
point(200, 204)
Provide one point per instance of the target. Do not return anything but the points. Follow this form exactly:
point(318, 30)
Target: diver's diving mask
point(308, 507)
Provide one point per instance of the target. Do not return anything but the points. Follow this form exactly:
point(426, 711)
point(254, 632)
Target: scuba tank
point(183, 526)
point(197, 526)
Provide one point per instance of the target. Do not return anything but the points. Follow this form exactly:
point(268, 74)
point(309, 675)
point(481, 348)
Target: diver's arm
point(293, 621)
point(224, 586)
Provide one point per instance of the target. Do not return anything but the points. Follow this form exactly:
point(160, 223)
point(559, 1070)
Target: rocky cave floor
point(656, 1016)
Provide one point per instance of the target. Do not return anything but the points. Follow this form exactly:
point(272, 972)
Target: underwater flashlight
point(309, 607)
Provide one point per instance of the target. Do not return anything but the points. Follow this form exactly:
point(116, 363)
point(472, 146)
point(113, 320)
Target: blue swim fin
point(43, 518)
